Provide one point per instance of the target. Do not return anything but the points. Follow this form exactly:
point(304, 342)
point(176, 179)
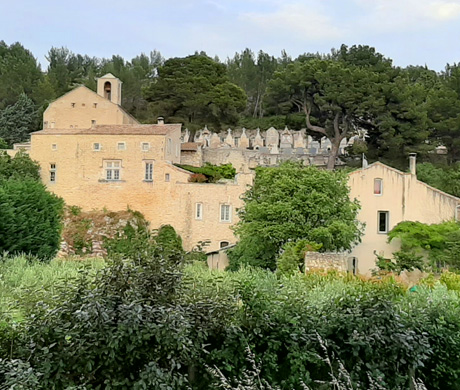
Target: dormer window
point(378, 186)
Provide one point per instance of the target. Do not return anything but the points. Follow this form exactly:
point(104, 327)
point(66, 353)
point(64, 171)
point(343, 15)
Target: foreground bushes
point(149, 322)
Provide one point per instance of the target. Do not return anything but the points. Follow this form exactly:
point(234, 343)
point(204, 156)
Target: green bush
point(212, 173)
point(30, 218)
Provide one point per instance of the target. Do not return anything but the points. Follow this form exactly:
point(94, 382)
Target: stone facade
point(387, 197)
point(82, 108)
point(327, 261)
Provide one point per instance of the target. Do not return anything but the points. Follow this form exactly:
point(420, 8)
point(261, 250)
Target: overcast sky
point(411, 32)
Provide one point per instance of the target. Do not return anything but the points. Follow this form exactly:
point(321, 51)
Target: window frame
point(113, 170)
point(54, 146)
point(378, 180)
point(98, 149)
point(148, 173)
point(52, 171)
point(145, 144)
point(167, 177)
point(199, 211)
point(225, 220)
point(123, 146)
point(387, 221)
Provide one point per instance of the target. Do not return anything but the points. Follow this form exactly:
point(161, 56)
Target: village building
point(387, 197)
point(95, 155)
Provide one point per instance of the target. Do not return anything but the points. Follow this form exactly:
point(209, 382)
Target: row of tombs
point(251, 148)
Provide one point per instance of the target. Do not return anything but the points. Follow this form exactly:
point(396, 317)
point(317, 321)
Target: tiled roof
point(115, 130)
point(190, 146)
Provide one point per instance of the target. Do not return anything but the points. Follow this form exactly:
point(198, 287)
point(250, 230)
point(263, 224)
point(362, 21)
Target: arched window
point(108, 90)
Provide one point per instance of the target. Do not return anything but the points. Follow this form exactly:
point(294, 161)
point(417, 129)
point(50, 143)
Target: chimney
point(413, 163)
point(161, 120)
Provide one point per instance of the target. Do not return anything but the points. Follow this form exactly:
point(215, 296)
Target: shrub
point(30, 218)
point(197, 178)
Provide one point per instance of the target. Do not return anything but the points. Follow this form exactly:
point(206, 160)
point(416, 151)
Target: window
point(95, 105)
point(54, 146)
point(382, 221)
point(225, 213)
point(199, 211)
point(45, 124)
point(224, 244)
point(83, 104)
point(378, 186)
point(148, 171)
point(167, 177)
point(96, 146)
point(112, 170)
point(73, 105)
point(93, 122)
point(121, 146)
point(169, 146)
point(145, 146)
point(52, 172)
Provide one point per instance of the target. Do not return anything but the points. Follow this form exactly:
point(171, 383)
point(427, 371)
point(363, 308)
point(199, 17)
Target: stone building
point(100, 157)
point(387, 197)
point(83, 108)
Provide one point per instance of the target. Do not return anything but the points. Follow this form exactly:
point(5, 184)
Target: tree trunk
point(334, 152)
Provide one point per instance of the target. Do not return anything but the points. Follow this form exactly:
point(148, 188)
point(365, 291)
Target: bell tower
point(109, 87)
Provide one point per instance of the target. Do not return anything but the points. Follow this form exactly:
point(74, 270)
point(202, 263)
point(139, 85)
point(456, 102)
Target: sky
point(411, 32)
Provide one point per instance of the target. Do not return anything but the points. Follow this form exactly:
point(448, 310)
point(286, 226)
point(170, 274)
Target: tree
point(335, 98)
point(30, 218)
point(290, 203)
point(21, 166)
point(19, 73)
point(18, 120)
point(195, 90)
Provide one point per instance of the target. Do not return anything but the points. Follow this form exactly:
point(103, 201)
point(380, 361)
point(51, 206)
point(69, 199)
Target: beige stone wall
point(81, 106)
point(80, 180)
point(326, 261)
point(404, 197)
point(192, 157)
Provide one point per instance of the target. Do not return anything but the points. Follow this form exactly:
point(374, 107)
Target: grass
point(25, 281)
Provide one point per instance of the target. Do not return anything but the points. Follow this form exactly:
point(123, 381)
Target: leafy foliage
point(21, 166)
point(195, 90)
point(30, 218)
point(290, 203)
point(438, 242)
point(212, 173)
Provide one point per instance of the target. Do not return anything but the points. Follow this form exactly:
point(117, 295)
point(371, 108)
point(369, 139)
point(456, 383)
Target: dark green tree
point(19, 73)
point(291, 203)
point(21, 166)
point(335, 98)
point(18, 120)
point(30, 218)
point(195, 90)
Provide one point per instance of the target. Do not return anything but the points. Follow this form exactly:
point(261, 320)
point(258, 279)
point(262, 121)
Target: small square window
point(54, 146)
point(378, 186)
point(199, 211)
point(382, 221)
point(73, 105)
point(96, 146)
point(93, 122)
point(167, 178)
point(145, 146)
point(225, 213)
point(224, 244)
point(95, 105)
point(121, 146)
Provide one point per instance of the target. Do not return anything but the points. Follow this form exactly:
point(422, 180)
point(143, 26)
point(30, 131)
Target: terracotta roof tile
point(191, 146)
point(115, 130)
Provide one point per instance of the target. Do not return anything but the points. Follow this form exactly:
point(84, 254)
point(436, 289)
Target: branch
point(311, 127)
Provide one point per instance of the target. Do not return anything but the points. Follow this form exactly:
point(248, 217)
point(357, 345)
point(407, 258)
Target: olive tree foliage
point(336, 98)
point(292, 202)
